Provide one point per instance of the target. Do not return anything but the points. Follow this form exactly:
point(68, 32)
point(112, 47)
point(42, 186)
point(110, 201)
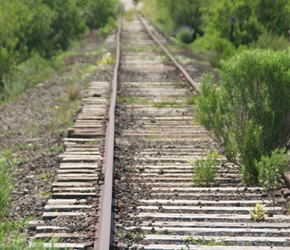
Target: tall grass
point(6, 184)
point(27, 75)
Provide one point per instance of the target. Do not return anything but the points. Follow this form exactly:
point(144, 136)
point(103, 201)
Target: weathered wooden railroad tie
point(71, 214)
point(157, 204)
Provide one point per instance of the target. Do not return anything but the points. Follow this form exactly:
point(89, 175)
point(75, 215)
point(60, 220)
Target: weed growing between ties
point(259, 212)
point(128, 100)
point(249, 111)
point(107, 59)
point(129, 16)
point(171, 104)
point(205, 169)
point(203, 241)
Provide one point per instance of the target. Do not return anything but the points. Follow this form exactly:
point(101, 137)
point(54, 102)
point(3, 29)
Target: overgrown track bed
point(71, 214)
point(156, 203)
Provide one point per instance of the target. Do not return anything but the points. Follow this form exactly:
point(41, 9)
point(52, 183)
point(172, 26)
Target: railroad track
point(70, 218)
point(156, 205)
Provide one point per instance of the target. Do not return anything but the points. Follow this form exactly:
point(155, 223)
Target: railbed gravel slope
point(28, 129)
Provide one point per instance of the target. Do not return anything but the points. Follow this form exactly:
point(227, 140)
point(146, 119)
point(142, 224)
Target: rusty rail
point(182, 70)
point(103, 237)
point(188, 77)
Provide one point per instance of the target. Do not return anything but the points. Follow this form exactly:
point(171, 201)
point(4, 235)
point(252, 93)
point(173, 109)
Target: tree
point(67, 23)
point(274, 15)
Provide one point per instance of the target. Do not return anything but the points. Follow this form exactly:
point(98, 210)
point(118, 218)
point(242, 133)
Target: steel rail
point(189, 79)
point(182, 70)
point(103, 237)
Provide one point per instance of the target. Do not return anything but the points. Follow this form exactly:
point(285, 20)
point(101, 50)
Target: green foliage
point(99, 13)
point(34, 30)
point(222, 49)
point(185, 34)
point(174, 14)
point(128, 100)
point(269, 40)
point(271, 169)
point(73, 92)
point(219, 24)
point(259, 212)
point(67, 23)
point(6, 185)
point(205, 169)
point(203, 241)
point(274, 15)
point(236, 21)
point(27, 74)
point(249, 112)
point(129, 16)
point(24, 28)
point(107, 59)
point(167, 103)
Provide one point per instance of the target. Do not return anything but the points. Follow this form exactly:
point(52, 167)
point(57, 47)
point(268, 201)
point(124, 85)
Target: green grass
point(165, 104)
point(205, 169)
point(128, 16)
point(56, 148)
point(128, 100)
point(203, 241)
point(6, 184)
point(62, 118)
point(45, 175)
point(191, 100)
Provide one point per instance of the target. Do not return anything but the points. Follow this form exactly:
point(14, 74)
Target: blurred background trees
point(219, 23)
point(43, 28)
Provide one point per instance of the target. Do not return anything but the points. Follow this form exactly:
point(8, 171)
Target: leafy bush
point(205, 169)
point(185, 34)
point(271, 169)
point(268, 40)
point(98, 13)
point(249, 111)
point(221, 49)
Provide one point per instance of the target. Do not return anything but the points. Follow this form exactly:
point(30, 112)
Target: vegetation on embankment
point(249, 110)
point(34, 32)
point(221, 27)
point(32, 125)
point(249, 113)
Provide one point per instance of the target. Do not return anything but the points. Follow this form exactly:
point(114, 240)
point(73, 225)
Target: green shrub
point(109, 27)
point(219, 48)
point(271, 169)
point(205, 169)
point(28, 74)
point(185, 34)
point(249, 111)
point(222, 49)
point(98, 13)
point(268, 40)
point(6, 185)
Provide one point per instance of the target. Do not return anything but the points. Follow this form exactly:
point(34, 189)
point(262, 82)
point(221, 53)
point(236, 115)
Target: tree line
point(239, 21)
point(46, 27)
